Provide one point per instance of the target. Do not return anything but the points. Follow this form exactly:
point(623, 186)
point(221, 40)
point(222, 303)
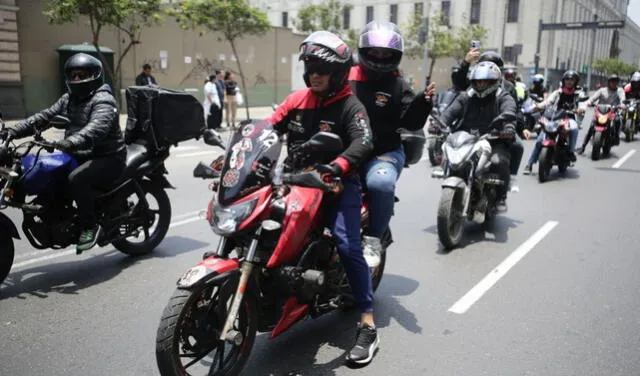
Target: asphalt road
point(550, 289)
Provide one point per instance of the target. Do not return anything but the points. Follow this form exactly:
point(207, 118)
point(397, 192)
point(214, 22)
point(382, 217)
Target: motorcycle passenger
point(478, 107)
point(537, 88)
point(612, 95)
point(564, 98)
point(444, 98)
point(328, 104)
point(95, 126)
point(391, 104)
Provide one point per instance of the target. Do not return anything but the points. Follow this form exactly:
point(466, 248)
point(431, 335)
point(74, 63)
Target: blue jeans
point(535, 153)
point(380, 175)
point(343, 218)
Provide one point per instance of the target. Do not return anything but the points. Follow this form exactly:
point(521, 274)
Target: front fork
point(228, 334)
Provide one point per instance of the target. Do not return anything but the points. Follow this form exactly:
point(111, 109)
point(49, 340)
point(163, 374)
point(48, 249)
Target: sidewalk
point(254, 112)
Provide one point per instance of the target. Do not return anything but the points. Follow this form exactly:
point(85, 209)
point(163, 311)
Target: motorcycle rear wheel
point(161, 218)
point(190, 329)
point(451, 220)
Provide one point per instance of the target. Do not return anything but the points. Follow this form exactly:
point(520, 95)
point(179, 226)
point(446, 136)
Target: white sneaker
point(371, 248)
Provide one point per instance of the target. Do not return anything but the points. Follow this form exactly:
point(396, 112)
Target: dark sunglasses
point(322, 69)
point(82, 75)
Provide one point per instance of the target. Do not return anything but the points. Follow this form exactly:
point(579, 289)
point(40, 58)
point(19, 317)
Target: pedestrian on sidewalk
point(212, 105)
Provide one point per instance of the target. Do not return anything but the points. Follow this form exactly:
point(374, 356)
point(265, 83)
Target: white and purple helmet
point(385, 35)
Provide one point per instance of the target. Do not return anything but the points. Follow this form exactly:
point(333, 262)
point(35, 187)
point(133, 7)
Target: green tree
point(614, 66)
point(327, 16)
point(440, 41)
point(128, 16)
point(233, 19)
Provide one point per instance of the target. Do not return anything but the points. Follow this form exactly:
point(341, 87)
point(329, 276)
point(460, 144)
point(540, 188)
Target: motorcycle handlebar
point(311, 179)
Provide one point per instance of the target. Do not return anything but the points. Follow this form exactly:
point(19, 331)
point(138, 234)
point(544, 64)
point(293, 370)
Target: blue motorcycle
point(37, 185)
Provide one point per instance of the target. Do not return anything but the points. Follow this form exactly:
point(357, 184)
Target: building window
point(369, 13)
point(513, 10)
point(445, 8)
point(474, 18)
point(346, 18)
point(393, 13)
point(418, 8)
point(285, 19)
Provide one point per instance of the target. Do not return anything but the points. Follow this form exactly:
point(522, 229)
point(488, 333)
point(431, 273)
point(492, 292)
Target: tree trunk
point(244, 85)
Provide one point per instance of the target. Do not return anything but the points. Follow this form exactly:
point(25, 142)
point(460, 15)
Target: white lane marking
point(624, 159)
point(198, 153)
point(185, 148)
point(462, 305)
point(68, 251)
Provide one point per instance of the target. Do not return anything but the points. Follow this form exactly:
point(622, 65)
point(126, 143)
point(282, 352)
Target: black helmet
point(493, 57)
point(510, 74)
point(571, 74)
point(385, 35)
point(635, 81)
point(323, 51)
point(454, 71)
point(87, 82)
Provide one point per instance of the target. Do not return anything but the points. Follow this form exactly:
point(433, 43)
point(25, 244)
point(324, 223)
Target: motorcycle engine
point(53, 227)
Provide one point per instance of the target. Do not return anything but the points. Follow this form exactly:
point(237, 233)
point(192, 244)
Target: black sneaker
point(527, 169)
point(501, 205)
point(88, 239)
point(572, 157)
point(580, 150)
point(367, 342)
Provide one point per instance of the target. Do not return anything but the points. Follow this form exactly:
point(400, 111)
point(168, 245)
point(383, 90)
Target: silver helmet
point(485, 71)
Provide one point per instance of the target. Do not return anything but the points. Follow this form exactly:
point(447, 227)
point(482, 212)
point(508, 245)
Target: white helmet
point(485, 71)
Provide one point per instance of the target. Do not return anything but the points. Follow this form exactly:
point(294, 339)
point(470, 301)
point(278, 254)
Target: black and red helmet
point(323, 51)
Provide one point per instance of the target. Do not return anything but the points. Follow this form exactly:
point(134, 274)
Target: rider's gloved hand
point(509, 130)
point(7, 134)
point(332, 169)
point(63, 145)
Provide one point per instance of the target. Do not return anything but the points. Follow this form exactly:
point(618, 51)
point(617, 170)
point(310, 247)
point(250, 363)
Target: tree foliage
point(614, 66)
point(327, 16)
point(233, 19)
point(128, 16)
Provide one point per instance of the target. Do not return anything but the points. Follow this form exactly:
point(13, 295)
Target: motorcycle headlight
point(225, 220)
point(457, 156)
point(603, 119)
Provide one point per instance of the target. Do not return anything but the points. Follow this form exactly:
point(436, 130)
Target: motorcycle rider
point(444, 98)
point(95, 126)
point(391, 104)
point(328, 104)
point(517, 147)
point(632, 89)
point(612, 95)
point(511, 75)
point(478, 107)
point(564, 98)
point(537, 88)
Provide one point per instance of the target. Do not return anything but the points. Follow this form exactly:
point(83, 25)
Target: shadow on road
point(475, 233)
point(296, 352)
point(72, 276)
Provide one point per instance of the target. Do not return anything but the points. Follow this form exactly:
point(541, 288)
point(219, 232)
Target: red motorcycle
point(275, 263)
point(603, 133)
point(555, 146)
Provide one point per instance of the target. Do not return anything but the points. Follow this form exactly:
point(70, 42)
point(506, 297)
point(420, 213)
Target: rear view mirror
point(213, 138)
point(60, 122)
point(325, 142)
point(205, 172)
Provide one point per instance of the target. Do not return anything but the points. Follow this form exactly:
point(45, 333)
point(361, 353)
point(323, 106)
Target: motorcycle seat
point(137, 154)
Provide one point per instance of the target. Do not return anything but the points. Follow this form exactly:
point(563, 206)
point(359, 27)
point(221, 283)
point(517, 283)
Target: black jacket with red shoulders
point(303, 114)
point(391, 104)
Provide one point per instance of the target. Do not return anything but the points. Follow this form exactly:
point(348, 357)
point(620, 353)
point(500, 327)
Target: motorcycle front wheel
point(544, 165)
point(596, 145)
point(450, 221)
point(7, 253)
point(188, 339)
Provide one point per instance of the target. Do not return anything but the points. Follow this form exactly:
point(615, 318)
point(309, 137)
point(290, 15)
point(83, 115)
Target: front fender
point(208, 270)
point(8, 225)
point(454, 182)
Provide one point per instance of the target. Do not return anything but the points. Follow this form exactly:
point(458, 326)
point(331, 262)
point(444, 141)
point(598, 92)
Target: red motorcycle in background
point(602, 140)
point(555, 146)
point(275, 264)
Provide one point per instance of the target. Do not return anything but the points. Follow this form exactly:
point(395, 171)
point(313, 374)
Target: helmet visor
point(381, 39)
